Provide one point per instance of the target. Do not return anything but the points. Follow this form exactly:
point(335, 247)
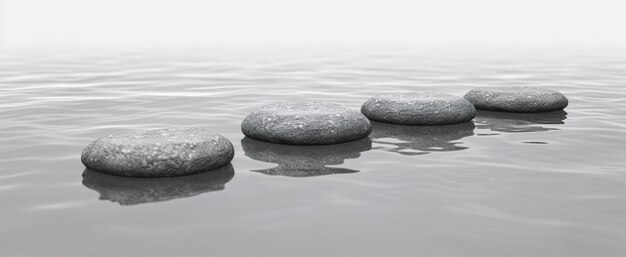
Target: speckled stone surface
point(516, 99)
point(130, 191)
point(304, 161)
point(158, 153)
point(306, 123)
point(418, 108)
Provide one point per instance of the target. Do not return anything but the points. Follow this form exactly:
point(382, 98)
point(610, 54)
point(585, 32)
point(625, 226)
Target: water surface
point(551, 184)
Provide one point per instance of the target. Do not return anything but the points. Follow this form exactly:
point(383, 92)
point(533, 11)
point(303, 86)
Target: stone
point(158, 153)
point(306, 123)
point(516, 99)
point(131, 191)
point(304, 160)
point(418, 108)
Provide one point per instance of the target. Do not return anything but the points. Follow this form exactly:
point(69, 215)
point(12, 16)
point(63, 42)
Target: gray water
point(551, 184)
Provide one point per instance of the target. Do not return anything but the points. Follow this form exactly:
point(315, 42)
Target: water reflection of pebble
point(130, 191)
point(416, 140)
point(518, 122)
point(304, 161)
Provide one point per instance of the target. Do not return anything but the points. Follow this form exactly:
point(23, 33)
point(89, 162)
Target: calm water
point(550, 184)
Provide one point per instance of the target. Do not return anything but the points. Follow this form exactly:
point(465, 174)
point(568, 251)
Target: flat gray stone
point(130, 191)
point(158, 153)
point(306, 123)
point(516, 99)
point(418, 108)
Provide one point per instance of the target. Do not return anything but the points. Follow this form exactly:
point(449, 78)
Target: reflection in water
point(416, 140)
point(518, 122)
point(129, 191)
point(304, 161)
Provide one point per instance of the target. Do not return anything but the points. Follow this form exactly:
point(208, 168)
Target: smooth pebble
point(158, 153)
point(306, 123)
point(418, 108)
point(516, 99)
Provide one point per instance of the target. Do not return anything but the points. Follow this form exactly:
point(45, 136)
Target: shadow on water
point(304, 161)
point(130, 191)
point(518, 122)
point(417, 140)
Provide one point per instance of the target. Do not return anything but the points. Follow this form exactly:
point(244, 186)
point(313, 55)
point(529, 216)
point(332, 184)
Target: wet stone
point(516, 99)
point(306, 123)
point(418, 108)
point(158, 153)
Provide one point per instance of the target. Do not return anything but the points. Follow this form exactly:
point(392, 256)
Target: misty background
point(141, 23)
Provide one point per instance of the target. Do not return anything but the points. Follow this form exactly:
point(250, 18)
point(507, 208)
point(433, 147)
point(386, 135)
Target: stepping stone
point(418, 108)
point(306, 123)
point(130, 191)
point(304, 161)
point(516, 99)
point(158, 153)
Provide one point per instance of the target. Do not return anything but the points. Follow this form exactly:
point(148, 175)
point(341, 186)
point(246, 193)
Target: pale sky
point(315, 22)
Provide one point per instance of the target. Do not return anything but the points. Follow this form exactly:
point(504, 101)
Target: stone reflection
point(518, 122)
point(130, 191)
point(417, 140)
point(304, 161)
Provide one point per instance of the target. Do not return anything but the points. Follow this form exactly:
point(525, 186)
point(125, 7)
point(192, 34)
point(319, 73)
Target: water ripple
point(503, 179)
